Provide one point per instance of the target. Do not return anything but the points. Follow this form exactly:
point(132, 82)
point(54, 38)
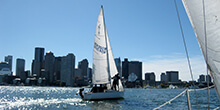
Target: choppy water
point(18, 97)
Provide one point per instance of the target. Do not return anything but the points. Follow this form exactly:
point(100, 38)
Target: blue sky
point(144, 30)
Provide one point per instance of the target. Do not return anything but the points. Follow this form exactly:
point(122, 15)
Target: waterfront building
point(57, 68)
point(5, 71)
point(9, 59)
point(163, 77)
point(172, 76)
point(132, 77)
point(135, 67)
point(32, 68)
point(78, 73)
point(150, 79)
point(90, 74)
point(125, 68)
point(28, 72)
point(83, 66)
point(132, 69)
point(79, 79)
point(118, 65)
point(67, 69)
point(49, 66)
point(20, 68)
point(201, 78)
point(4, 65)
point(38, 62)
point(208, 78)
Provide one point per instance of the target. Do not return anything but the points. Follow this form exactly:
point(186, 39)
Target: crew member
point(115, 81)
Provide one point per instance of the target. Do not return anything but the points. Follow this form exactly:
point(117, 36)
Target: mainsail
point(204, 16)
point(104, 67)
point(100, 71)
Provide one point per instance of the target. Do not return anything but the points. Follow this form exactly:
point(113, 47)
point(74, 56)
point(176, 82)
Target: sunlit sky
point(143, 30)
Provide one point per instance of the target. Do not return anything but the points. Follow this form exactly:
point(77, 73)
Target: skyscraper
point(208, 78)
point(49, 66)
point(9, 60)
point(83, 66)
point(20, 68)
point(125, 68)
point(201, 78)
point(57, 67)
point(135, 67)
point(67, 69)
point(38, 61)
point(172, 76)
point(90, 74)
point(150, 78)
point(163, 77)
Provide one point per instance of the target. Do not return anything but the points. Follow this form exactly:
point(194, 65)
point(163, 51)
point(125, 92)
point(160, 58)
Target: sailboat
point(104, 67)
point(204, 16)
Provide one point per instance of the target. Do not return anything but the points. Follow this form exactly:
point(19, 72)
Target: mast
point(107, 55)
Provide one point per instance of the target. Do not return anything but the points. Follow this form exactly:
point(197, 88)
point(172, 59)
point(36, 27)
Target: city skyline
point(44, 57)
point(147, 31)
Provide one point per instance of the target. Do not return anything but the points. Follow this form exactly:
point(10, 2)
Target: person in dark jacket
point(116, 82)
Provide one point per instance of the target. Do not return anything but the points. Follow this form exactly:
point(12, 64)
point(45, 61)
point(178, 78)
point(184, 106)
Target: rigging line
point(216, 108)
point(170, 100)
point(187, 55)
point(206, 52)
point(203, 88)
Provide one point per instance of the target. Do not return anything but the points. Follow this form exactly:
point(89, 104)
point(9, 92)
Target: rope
point(216, 108)
point(202, 88)
point(187, 55)
point(170, 100)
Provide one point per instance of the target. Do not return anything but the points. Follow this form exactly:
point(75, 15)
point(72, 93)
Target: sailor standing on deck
point(115, 81)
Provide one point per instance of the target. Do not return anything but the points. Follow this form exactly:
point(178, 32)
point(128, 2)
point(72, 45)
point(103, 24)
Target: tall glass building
point(38, 61)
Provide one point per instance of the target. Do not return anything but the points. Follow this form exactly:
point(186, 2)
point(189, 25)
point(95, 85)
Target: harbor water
point(52, 98)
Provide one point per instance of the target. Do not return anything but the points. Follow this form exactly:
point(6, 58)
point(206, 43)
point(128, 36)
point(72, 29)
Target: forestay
point(207, 32)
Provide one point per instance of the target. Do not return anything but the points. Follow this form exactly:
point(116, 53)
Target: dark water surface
point(21, 97)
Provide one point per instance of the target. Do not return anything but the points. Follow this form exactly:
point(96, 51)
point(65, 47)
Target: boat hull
point(104, 95)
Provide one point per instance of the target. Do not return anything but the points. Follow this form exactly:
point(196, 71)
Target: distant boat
point(172, 87)
point(104, 68)
point(204, 16)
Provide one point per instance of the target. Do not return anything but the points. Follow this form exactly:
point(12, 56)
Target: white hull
point(104, 95)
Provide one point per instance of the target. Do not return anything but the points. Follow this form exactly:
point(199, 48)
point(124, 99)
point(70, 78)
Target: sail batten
point(207, 33)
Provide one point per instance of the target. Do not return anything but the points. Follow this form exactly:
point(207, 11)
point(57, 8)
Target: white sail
point(112, 65)
point(100, 66)
point(211, 26)
point(104, 67)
